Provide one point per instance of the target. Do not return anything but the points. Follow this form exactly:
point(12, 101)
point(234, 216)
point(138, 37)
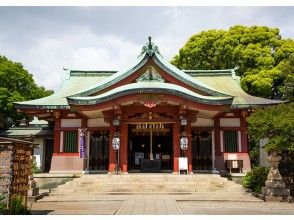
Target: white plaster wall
point(39, 152)
point(203, 122)
point(66, 123)
point(98, 122)
point(230, 122)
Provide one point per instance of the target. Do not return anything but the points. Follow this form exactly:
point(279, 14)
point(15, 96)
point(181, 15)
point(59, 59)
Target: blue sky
point(45, 39)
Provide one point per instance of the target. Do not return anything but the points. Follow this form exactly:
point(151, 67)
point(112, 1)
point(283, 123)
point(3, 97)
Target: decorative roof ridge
point(73, 72)
point(150, 48)
point(220, 72)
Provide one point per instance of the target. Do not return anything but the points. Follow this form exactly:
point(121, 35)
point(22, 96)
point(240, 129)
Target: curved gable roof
point(150, 51)
point(222, 86)
point(150, 87)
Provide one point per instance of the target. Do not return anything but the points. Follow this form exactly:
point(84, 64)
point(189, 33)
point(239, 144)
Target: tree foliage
point(275, 123)
point(16, 84)
point(259, 52)
point(287, 68)
point(255, 179)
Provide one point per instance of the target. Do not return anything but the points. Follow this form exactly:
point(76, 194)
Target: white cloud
point(84, 51)
point(87, 41)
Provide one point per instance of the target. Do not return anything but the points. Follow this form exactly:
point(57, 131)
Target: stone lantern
point(275, 188)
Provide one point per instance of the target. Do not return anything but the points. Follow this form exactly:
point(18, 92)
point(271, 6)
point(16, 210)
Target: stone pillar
point(275, 188)
point(189, 149)
point(33, 190)
point(112, 153)
point(176, 146)
point(124, 148)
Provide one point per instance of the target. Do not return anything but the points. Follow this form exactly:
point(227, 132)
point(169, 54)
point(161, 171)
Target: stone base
point(277, 191)
point(33, 191)
point(34, 198)
point(118, 173)
point(214, 171)
point(275, 198)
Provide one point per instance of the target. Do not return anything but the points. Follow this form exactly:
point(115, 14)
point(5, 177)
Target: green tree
point(275, 123)
point(287, 68)
point(259, 52)
point(16, 84)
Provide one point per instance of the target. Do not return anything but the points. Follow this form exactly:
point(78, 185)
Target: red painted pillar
point(57, 126)
point(189, 149)
point(217, 143)
point(176, 146)
point(124, 147)
point(112, 153)
point(218, 159)
point(244, 136)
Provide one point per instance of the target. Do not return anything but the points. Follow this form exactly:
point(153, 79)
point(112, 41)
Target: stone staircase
point(103, 184)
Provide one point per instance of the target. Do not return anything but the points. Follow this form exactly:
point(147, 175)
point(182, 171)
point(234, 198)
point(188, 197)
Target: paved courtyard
point(160, 205)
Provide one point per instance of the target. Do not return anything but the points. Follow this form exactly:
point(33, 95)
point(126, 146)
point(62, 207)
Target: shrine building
point(154, 113)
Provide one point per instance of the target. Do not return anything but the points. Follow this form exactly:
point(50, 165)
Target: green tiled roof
point(23, 132)
point(69, 86)
point(222, 86)
point(150, 87)
point(232, 87)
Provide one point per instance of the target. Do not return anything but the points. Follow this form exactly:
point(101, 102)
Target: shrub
point(255, 179)
point(35, 169)
point(17, 208)
point(2, 205)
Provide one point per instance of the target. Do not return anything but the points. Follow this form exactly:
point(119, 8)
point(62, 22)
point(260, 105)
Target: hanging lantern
point(184, 143)
point(115, 143)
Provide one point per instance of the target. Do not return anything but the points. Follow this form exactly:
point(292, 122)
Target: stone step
point(82, 184)
point(145, 184)
point(123, 177)
point(205, 196)
point(93, 188)
point(82, 191)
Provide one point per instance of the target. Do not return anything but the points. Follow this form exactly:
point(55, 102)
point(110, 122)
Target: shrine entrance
point(98, 155)
point(202, 150)
point(150, 147)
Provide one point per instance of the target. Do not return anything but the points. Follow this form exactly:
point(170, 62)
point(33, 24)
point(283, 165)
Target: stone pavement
point(157, 204)
point(235, 208)
point(76, 208)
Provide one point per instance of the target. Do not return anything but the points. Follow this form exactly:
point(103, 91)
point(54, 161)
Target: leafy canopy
point(16, 84)
point(275, 123)
point(259, 52)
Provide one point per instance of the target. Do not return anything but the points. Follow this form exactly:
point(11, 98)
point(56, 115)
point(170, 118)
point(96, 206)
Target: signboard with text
point(183, 163)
